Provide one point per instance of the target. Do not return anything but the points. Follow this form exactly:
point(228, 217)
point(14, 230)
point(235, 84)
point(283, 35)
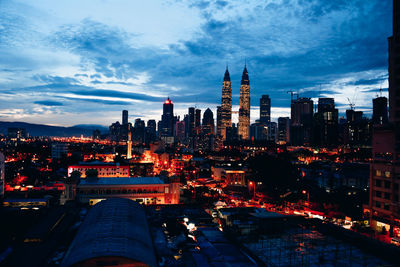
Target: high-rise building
point(379, 110)
point(219, 121)
point(284, 129)
point(208, 122)
point(384, 180)
point(244, 109)
point(265, 109)
point(192, 121)
point(226, 105)
point(326, 127)
point(180, 130)
point(197, 124)
point(168, 119)
point(139, 130)
point(124, 117)
point(301, 121)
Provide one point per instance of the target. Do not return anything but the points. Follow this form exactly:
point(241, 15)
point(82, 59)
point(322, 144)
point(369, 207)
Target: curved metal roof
point(113, 227)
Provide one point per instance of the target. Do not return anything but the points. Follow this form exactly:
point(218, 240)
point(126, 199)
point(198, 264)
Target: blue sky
point(73, 62)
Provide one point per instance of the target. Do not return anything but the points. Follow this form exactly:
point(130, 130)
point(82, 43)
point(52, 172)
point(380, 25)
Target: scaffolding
point(304, 246)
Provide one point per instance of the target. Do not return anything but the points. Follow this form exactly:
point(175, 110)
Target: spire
point(245, 75)
point(227, 78)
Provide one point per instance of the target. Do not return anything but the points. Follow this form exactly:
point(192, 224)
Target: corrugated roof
point(121, 181)
point(113, 227)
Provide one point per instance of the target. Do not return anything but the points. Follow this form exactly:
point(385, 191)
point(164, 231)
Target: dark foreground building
point(114, 233)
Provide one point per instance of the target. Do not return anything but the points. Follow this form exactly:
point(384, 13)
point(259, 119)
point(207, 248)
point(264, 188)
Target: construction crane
point(351, 104)
point(292, 93)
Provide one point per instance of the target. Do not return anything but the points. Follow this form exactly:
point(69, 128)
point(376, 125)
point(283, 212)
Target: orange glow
point(304, 192)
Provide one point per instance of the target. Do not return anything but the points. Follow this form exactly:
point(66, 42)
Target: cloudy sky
point(73, 62)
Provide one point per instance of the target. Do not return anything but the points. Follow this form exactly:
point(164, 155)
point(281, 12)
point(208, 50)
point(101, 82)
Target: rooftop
point(121, 181)
point(113, 227)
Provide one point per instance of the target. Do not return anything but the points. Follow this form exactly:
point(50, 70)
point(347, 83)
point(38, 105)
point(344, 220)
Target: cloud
point(48, 103)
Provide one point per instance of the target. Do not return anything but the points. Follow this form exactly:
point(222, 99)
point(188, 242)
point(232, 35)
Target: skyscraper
point(284, 129)
point(301, 121)
point(191, 122)
point(167, 119)
point(226, 104)
point(384, 194)
point(124, 117)
point(326, 131)
point(208, 122)
point(244, 109)
point(219, 121)
point(380, 110)
point(265, 109)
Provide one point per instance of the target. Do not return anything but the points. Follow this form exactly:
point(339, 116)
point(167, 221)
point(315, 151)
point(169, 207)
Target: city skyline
point(55, 73)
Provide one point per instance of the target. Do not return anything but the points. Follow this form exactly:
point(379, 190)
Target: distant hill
point(47, 130)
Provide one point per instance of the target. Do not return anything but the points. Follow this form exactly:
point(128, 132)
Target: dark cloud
point(48, 103)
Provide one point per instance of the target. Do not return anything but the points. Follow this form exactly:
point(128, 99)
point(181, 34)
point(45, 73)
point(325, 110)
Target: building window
point(377, 204)
point(378, 183)
point(387, 196)
point(387, 184)
point(378, 193)
point(378, 173)
point(387, 174)
point(386, 206)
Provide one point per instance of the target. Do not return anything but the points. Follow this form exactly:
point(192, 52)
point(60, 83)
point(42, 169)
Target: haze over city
point(74, 62)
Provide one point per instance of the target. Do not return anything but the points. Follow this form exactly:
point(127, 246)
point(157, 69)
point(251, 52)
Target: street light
point(251, 183)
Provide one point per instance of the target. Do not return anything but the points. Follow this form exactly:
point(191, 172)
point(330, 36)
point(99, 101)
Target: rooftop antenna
point(291, 94)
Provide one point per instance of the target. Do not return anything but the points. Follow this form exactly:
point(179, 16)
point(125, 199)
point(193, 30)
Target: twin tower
point(244, 109)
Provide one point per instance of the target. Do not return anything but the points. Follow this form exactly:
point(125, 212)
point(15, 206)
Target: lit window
point(387, 174)
point(378, 173)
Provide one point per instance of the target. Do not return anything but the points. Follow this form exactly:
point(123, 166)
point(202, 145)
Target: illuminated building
point(139, 130)
point(197, 125)
point(226, 105)
point(167, 119)
point(384, 195)
point(180, 130)
point(301, 121)
point(103, 170)
point(146, 190)
point(244, 110)
point(284, 129)
point(141, 169)
point(2, 168)
point(219, 121)
point(265, 109)
point(129, 144)
point(229, 176)
point(191, 122)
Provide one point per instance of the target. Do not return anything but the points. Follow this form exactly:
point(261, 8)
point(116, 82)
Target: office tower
point(191, 120)
point(326, 131)
point(150, 131)
point(151, 125)
point(226, 105)
point(265, 109)
point(284, 129)
point(385, 170)
point(197, 125)
point(139, 130)
point(208, 122)
point(258, 131)
point(380, 110)
point(167, 119)
point(219, 121)
point(301, 121)
point(124, 117)
point(59, 150)
point(2, 168)
point(244, 110)
point(180, 130)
